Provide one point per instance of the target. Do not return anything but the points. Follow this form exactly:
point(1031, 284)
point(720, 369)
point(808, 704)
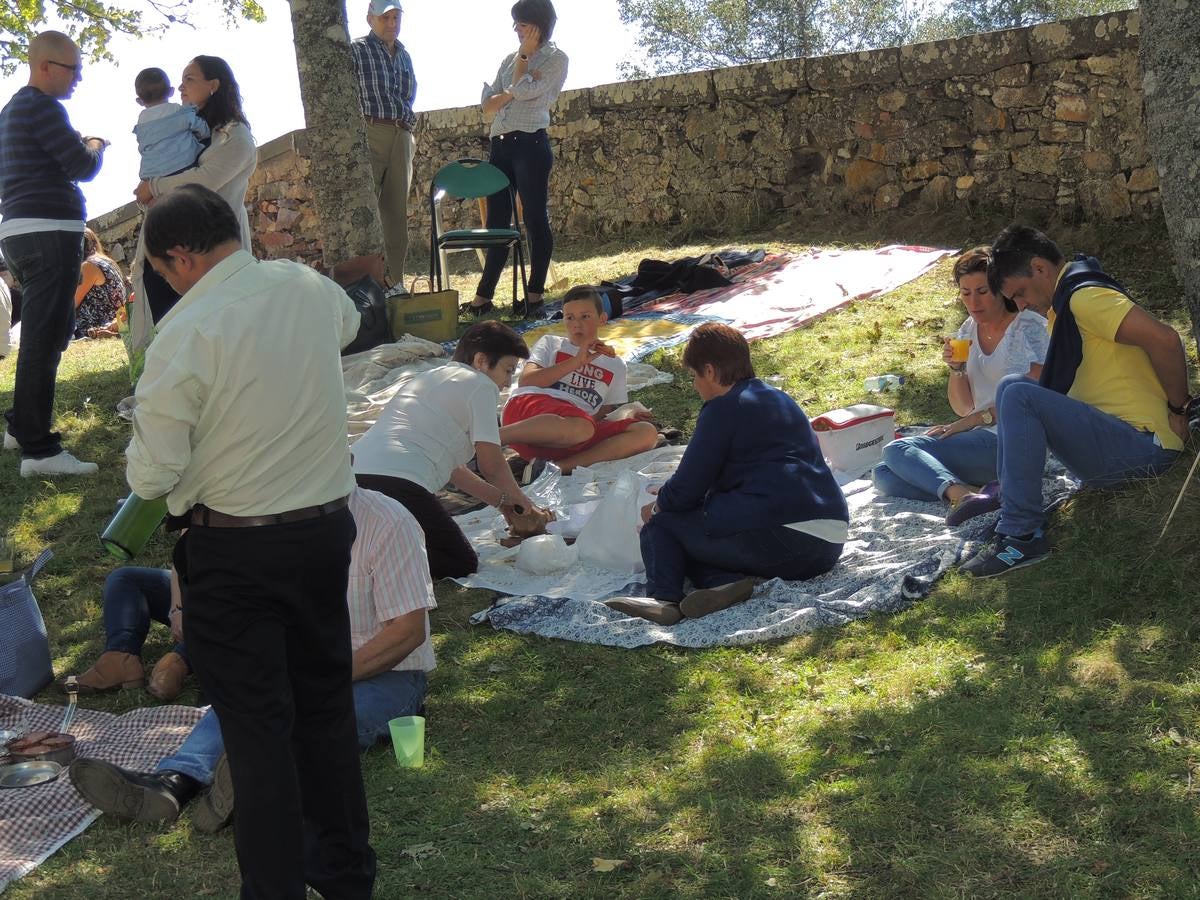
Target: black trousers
point(450, 553)
point(160, 296)
point(268, 635)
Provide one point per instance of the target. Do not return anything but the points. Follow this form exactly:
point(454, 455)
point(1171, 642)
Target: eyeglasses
point(77, 69)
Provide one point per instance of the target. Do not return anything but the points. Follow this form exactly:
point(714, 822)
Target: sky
point(455, 45)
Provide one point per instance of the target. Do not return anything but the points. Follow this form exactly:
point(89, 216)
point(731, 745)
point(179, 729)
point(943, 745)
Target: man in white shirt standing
point(241, 423)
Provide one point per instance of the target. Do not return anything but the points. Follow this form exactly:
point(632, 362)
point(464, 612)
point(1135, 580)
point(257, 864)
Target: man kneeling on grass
point(1110, 402)
point(566, 389)
point(390, 596)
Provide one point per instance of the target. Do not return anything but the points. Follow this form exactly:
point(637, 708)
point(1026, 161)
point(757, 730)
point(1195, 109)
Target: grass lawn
point(1034, 736)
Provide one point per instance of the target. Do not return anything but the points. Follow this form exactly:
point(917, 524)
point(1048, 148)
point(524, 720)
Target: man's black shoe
point(1005, 553)
point(214, 809)
point(138, 796)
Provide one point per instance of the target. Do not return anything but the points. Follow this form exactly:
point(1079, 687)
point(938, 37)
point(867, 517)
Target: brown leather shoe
point(111, 671)
point(710, 600)
point(166, 680)
point(655, 611)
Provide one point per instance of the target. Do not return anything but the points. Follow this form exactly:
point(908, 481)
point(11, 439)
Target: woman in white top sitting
point(951, 461)
point(431, 429)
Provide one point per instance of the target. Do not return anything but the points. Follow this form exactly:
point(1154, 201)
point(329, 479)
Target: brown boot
point(647, 608)
point(710, 600)
point(112, 670)
point(166, 680)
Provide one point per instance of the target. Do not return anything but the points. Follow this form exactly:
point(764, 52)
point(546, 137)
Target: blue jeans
point(377, 701)
point(526, 158)
point(133, 598)
point(46, 264)
point(921, 467)
point(1100, 449)
point(675, 547)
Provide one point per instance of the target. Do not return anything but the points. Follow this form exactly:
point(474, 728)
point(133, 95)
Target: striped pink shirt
point(389, 573)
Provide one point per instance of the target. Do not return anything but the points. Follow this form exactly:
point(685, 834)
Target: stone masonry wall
point(1046, 118)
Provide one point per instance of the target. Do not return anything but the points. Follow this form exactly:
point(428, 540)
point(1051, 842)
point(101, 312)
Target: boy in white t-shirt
point(566, 389)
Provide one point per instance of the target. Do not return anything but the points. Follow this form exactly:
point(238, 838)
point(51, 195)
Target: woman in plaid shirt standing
point(526, 86)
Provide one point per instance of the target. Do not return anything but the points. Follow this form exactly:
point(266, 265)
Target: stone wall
point(1045, 118)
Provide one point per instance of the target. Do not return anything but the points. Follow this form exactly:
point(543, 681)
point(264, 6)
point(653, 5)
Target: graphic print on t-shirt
point(583, 383)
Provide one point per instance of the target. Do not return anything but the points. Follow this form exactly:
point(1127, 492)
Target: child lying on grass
point(567, 388)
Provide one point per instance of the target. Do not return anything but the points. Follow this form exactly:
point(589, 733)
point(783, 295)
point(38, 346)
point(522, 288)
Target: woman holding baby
point(951, 462)
point(225, 166)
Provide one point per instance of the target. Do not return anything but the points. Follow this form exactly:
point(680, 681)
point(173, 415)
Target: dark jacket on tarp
point(753, 463)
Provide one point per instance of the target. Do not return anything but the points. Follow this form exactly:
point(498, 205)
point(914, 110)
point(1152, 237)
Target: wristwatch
point(1180, 410)
point(987, 417)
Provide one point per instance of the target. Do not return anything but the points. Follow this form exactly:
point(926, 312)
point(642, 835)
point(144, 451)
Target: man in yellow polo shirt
point(1110, 403)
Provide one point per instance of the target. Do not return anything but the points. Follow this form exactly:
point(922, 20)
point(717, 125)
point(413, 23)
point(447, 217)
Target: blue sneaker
point(1004, 553)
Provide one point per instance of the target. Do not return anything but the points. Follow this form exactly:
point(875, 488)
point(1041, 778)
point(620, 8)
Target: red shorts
point(526, 406)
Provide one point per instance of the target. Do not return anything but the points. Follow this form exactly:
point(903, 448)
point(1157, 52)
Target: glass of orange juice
point(959, 348)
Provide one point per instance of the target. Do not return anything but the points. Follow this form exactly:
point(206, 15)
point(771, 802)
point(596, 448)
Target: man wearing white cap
point(386, 90)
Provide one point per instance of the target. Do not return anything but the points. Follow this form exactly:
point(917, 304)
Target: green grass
point(1034, 736)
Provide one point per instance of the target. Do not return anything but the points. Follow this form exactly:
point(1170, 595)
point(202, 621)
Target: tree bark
point(340, 168)
point(1171, 89)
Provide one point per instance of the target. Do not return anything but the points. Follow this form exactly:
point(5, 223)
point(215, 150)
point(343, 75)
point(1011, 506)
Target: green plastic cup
point(408, 740)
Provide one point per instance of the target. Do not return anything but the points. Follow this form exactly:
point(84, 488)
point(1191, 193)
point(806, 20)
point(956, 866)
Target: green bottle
point(130, 529)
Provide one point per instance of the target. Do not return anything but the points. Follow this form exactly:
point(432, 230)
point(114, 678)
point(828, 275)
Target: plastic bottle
point(877, 383)
point(130, 529)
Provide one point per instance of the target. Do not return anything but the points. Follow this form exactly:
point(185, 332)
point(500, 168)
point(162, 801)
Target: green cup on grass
point(408, 740)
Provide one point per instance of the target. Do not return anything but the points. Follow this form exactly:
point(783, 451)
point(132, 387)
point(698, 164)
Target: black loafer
point(535, 311)
point(138, 796)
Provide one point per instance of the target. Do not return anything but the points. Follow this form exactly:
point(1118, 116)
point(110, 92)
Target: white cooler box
point(852, 439)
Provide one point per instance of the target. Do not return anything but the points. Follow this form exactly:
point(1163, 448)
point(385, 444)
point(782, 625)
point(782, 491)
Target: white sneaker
point(10, 442)
point(62, 463)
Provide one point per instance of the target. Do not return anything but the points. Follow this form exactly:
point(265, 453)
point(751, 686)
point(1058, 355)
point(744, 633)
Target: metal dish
point(28, 774)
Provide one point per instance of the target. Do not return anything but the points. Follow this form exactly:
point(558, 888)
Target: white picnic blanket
point(896, 552)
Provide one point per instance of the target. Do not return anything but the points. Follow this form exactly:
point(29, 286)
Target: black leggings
point(450, 553)
point(526, 158)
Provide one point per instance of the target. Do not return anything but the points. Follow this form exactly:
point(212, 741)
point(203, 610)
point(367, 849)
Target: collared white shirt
point(529, 110)
point(241, 405)
point(389, 573)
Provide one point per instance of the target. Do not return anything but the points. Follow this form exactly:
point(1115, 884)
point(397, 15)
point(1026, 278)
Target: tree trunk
point(1171, 87)
point(340, 171)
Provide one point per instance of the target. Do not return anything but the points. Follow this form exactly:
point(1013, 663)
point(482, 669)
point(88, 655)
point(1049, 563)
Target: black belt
point(513, 135)
point(200, 515)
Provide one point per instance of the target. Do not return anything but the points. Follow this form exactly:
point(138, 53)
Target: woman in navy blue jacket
point(752, 497)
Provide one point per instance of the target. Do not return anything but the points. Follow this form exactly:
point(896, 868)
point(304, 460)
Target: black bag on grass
point(369, 298)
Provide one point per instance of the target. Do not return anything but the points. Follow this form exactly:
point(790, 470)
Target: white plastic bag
point(544, 554)
point(609, 540)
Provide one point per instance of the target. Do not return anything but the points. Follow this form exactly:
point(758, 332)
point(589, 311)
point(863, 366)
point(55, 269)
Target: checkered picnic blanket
point(36, 821)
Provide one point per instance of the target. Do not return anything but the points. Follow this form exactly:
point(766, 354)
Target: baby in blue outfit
point(168, 134)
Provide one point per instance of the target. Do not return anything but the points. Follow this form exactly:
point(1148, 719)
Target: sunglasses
point(77, 69)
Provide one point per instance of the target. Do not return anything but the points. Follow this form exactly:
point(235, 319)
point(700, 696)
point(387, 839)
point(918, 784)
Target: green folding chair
point(471, 179)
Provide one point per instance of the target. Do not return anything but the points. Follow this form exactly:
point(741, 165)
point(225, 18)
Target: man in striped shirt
point(41, 236)
point(390, 594)
point(386, 90)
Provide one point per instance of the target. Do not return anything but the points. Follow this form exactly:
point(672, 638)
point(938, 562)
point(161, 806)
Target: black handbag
point(368, 296)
